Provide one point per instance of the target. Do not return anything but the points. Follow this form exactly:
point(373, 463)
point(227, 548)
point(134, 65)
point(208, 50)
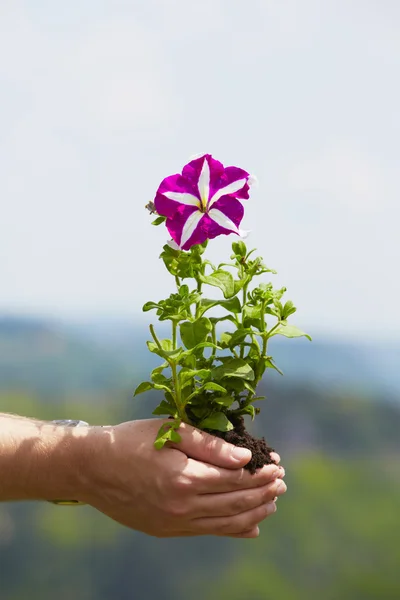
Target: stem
point(177, 281)
point(155, 338)
point(178, 403)
point(243, 305)
point(175, 378)
point(174, 326)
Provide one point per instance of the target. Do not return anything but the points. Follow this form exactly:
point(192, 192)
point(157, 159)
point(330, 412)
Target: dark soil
point(261, 452)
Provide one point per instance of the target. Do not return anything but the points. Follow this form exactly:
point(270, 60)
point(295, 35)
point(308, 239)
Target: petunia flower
point(203, 202)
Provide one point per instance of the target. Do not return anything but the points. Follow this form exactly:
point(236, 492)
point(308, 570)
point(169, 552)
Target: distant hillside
point(41, 357)
point(51, 356)
point(370, 369)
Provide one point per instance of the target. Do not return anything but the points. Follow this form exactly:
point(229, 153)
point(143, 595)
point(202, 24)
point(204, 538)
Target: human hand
point(196, 487)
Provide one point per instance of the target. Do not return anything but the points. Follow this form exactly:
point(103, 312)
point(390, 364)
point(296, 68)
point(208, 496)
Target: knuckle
point(242, 503)
point(210, 444)
point(175, 509)
point(181, 484)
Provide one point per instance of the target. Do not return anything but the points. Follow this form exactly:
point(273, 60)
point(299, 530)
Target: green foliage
point(212, 376)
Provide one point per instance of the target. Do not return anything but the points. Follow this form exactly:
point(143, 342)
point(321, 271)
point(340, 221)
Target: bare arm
point(38, 460)
point(197, 488)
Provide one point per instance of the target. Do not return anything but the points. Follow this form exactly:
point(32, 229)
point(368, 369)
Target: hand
point(197, 487)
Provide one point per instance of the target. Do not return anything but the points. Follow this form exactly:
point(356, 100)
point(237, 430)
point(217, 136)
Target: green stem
point(175, 378)
point(155, 338)
point(177, 281)
point(174, 326)
point(243, 305)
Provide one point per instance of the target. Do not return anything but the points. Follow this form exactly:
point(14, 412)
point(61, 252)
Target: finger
point(227, 526)
point(202, 446)
point(275, 457)
point(208, 479)
point(253, 533)
point(234, 503)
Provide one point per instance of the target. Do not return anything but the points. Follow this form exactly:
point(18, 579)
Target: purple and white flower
point(203, 202)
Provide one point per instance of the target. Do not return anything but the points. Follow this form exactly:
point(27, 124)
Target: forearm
point(40, 461)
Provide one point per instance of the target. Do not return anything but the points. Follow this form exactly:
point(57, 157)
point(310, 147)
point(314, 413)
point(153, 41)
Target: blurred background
point(98, 102)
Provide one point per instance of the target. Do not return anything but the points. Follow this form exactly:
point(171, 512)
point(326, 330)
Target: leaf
point(214, 387)
point(233, 304)
point(164, 408)
point(153, 347)
point(215, 320)
point(199, 347)
point(239, 248)
point(217, 421)
point(159, 378)
point(145, 386)
point(249, 387)
point(240, 335)
point(233, 367)
point(224, 400)
point(193, 333)
point(150, 306)
point(186, 376)
point(289, 331)
point(269, 364)
point(168, 433)
point(159, 220)
point(159, 369)
point(252, 316)
point(221, 279)
point(248, 410)
point(240, 283)
point(209, 386)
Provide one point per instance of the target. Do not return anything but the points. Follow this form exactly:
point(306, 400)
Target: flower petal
point(176, 223)
point(204, 183)
point(183, 198)
point(229, 189)
point(232, 208)
point(223, 221)
point(190, 226)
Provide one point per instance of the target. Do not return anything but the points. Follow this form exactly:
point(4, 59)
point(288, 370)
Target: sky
point(99, 101)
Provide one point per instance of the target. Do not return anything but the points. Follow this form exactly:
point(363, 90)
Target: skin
point(196, 487)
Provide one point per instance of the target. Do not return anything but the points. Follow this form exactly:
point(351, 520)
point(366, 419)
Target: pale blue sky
point(101, 100)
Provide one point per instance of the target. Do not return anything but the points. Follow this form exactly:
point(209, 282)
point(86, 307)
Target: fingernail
point(271, 508)
point(240, 454)
point(281, 487)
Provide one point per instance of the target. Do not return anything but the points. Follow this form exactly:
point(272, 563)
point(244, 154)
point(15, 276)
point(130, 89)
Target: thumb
point(207, 448)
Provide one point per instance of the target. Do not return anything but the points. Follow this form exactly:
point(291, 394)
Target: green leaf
point(240, 335)
point(233, 367)
point(239, 248)
point(221, 279)
point(193, 333)
point(209, 386)
point(252, 316)
point(168, 433)
point(150, 306)
point(214, 387)
point(145, 386)
point(233, 305)
point(247, 410)
point(249, 387)
point(167, 354)
point(231, 318)
point(159, 220)
point(217, 421)
point(159, 369)
point(186, 376)
point(289, 331)
point(224, 400)
point(164, 408)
